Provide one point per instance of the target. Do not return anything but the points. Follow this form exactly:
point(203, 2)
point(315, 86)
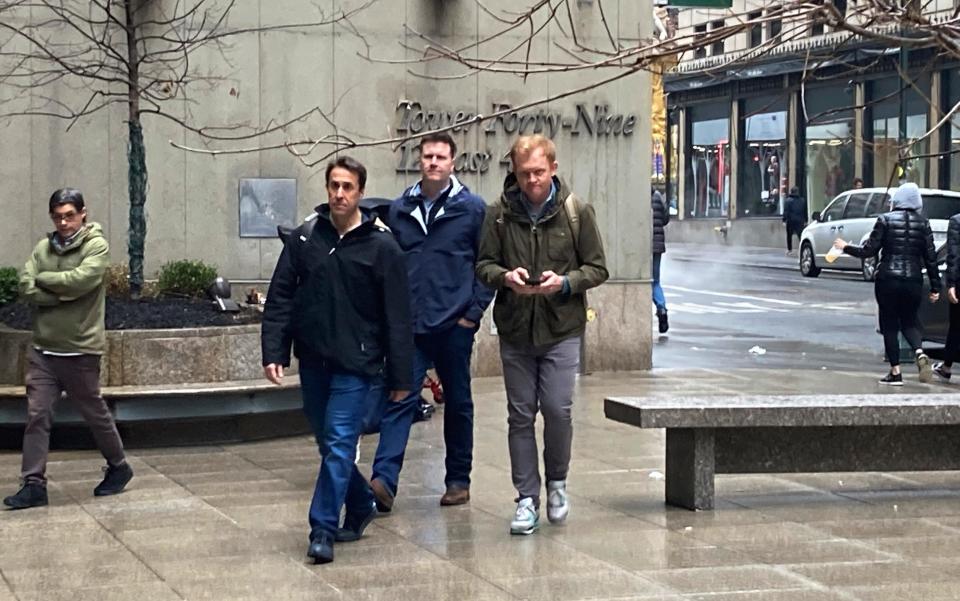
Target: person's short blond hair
point(527, 144)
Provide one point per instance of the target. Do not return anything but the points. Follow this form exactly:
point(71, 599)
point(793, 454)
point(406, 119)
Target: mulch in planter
point(148, 314)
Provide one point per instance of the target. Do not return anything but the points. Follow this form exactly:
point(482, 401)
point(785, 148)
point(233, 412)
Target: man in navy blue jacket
point(437, 223)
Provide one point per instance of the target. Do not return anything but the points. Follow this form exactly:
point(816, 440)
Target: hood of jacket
point(512, 198)
point(89, 231)
point(907, 197)
point(368, 218)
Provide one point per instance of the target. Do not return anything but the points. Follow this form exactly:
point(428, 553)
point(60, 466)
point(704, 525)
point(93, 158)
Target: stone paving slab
point(229, 522)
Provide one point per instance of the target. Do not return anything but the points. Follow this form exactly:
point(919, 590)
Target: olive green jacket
point(65, 286)
point(510, 240)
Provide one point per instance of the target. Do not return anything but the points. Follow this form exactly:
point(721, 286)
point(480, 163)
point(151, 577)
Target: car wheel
point(868, 269)
point(807, 265)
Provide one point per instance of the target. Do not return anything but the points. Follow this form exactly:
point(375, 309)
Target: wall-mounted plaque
point(266, 203)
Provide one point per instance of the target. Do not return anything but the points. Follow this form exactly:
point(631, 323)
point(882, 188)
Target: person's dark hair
point(350, 164)
point(67, 196)
point(794, 191)
point(439, 137)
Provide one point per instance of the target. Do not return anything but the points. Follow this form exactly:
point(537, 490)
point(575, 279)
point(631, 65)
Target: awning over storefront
point(767, 67)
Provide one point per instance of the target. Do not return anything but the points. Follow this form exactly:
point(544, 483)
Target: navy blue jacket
point(441, 264)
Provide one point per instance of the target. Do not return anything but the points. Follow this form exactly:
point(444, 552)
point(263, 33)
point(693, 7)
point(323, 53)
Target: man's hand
point(273, 372)
point(466, 323)
point(398, 395)
point(952, 295)
point(934, 297)
point(516, 280)
point(839, 244)
point(550, 283)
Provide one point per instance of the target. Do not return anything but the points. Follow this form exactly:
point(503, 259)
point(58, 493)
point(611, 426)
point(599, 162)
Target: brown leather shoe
point(382, 495)
point(455, 496)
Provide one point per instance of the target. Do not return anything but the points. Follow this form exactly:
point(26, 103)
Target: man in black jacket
point(661, 217)
point(794, 216)
point(339, 295)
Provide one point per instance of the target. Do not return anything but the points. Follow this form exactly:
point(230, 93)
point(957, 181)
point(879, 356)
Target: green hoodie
point(64, 284)
point(510, 240)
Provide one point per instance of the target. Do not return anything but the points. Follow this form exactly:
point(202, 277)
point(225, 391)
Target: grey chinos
point(539, 379)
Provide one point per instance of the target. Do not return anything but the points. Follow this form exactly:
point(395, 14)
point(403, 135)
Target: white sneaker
point(557, 505)
point(527, 518)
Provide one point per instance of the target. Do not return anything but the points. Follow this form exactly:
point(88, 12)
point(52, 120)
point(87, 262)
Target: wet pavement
point(230, 522)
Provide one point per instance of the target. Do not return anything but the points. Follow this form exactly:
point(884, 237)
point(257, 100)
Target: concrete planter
point(156, 357)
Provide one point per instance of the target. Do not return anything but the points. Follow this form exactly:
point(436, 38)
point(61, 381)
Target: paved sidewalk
point(750, 256)
point(229, 522)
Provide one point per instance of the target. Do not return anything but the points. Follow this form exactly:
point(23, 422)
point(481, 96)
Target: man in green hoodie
point(541, 250)
point(63, 282)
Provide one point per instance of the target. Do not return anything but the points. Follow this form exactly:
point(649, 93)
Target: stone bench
point(789, 434)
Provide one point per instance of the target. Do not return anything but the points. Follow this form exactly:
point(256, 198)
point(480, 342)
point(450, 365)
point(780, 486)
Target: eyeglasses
point(67, 217)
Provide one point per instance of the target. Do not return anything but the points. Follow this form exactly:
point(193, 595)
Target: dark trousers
point(952, 345)
point(899, 302)
point(793, 229)
point(335, 405)
point(449, 352)
point(48, 376)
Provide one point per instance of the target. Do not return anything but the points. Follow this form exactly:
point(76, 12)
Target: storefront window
point(886, 130)
point(673, 197)
point(763, 165)
point(829, 145)
point(708, 169)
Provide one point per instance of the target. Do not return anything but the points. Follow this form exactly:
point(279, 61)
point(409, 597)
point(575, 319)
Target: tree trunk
point(136, 158)
point(137, 180)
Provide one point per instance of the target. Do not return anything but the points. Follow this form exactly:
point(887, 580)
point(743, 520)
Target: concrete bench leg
point(690, 467)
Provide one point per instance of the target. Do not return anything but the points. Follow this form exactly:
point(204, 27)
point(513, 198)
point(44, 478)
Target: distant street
point(720, 311)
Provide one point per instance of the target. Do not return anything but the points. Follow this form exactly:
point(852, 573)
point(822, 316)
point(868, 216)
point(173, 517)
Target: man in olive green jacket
point(541, 250)
point(63, 282)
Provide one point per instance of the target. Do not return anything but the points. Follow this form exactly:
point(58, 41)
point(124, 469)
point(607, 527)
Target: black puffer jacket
point(661, 217)
point(953, 252)
point(905, 243)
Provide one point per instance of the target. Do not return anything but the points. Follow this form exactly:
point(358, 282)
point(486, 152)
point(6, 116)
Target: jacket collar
point(367, 220)
point(513, 202)
point(415, 192)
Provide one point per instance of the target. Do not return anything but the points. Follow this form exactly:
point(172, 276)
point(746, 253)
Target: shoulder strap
point(571, 206)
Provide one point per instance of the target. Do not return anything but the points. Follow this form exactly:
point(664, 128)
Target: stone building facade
point(360, 75)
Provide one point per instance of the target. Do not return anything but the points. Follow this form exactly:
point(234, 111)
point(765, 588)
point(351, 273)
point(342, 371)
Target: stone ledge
point(786, 411)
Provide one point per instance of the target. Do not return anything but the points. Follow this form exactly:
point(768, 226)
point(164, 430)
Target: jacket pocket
point(559, 245)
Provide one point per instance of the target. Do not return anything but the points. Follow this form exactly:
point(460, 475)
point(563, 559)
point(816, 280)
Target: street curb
point(737, 263)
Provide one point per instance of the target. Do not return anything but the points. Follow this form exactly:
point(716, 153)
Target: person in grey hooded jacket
point(904, 241)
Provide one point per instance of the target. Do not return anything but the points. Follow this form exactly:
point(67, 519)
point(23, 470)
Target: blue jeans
point(335, 404)
point(658, 298)
point(450, 352)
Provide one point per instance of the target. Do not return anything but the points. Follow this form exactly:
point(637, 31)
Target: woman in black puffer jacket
point(904, 241)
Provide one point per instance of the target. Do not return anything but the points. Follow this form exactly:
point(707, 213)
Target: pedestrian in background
point(794, 217)
point(952, 276)
point(904, 241)
point(541, 250)
point(63, 284)
point(661, 217)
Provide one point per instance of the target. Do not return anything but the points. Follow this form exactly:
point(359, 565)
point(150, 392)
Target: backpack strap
point(571, 206)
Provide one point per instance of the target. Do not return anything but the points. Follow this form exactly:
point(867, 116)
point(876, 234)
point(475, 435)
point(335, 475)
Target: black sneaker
point(664, 324)
point(923, 365)
point(938, 369)
point(114, 480)
point(31, 495)
point(892, 380)
point(321, 549)
point(354, 525)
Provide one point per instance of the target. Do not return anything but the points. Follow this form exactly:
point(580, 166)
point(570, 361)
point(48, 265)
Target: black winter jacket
point(344, 301)
point(905, 243)
point(953, 252)
point(661, 217)
point(795, 211)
